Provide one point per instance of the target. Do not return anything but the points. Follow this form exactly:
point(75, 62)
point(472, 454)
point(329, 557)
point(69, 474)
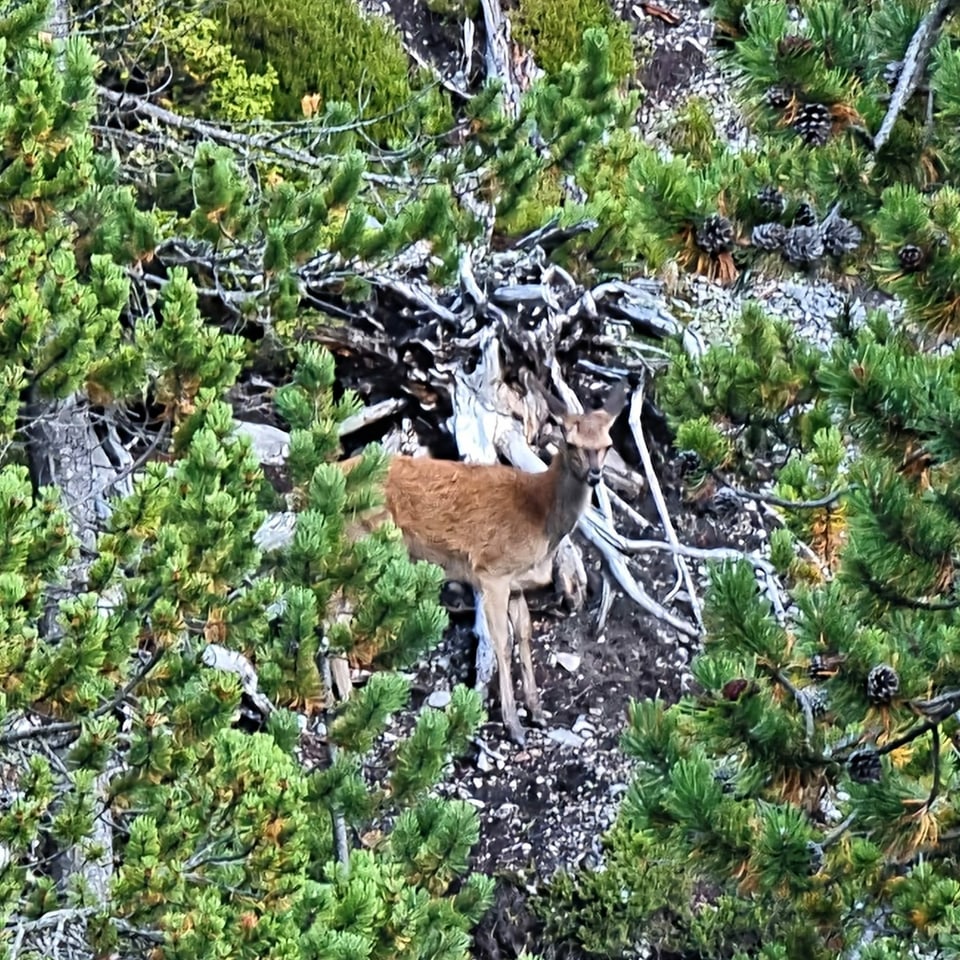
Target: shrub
point(554, 30)
point(323, 47)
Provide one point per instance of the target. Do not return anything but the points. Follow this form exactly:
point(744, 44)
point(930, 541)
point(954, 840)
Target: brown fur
point(496, 527)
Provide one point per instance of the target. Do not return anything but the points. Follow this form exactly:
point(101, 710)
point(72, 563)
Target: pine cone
point(823, 667)
point(805, 215)
point(911, 257)
point(794, 45)
point(733, 690)
point(802, 246)
point(772, 200)
point(883, 684)
point(726, 503)
point(687, 461)
point(891, 72)
point(814, 124)
point(819, 700)
point(778, 98)
point(768, 236)
point(815, 850)
point(840, 236)
point(715, 235)
point(865, 766)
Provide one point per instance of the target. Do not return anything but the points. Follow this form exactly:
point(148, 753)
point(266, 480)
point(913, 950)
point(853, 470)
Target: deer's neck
point(570, 498)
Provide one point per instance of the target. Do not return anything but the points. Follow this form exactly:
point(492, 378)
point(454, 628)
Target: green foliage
point(806, 787)
point(650, 206)
point(760, 386)
point(314, 48)
point(844, 56)
point(694, 134)
point(226, 88)
point(555, 30)
point(125, 664)
point(223, 830)
point(61, 295)
point(419, 760)
point(456, 9)
point(182, 353)
point(719, 803)
point(703, 438)
point(174, 46)
point(931, 224)
point(567, 114)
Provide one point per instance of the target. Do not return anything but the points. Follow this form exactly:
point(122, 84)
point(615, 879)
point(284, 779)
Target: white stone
point(566, 738)
point(439, 699)
point(569, 661)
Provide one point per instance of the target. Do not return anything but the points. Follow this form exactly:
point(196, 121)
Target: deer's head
point(586, 436)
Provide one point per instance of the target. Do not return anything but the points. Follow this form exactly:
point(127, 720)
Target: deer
point(497, 528)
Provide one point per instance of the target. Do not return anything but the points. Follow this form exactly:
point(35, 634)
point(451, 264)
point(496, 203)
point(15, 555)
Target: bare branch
point(653, 484)
point(914, 63)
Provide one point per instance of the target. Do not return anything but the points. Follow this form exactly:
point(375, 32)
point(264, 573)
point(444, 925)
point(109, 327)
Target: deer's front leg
point(496, 601)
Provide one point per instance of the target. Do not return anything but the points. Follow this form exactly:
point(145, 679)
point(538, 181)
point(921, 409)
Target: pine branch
point(73, 726)
point(935, 757)
point(801, 700)
point(883, 591)
point(908, 737)
point(837, 833)
point(914, 62)
point(243, 143)
point(60, 919)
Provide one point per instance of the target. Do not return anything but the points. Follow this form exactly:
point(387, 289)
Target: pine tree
point(160, 795)
point(801, 800)
point(856, 104)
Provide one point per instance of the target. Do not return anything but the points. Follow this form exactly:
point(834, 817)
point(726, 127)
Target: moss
point(325, 49)
point(455, 9)
point(554, 30)
point(230, 91)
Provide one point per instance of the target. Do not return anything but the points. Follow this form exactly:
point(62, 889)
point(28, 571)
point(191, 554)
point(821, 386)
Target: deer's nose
point(593, 476)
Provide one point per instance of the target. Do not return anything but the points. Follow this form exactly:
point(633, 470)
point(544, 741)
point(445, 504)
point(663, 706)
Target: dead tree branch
point(914, 63)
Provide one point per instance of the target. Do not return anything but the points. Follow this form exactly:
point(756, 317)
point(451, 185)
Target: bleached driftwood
point(218, 657)
point(653, 484)
point(498, 57)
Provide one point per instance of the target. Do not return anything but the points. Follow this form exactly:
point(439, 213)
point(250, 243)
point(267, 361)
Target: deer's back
point(470, 518)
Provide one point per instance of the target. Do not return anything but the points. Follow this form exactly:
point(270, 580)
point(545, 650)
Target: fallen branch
point(594, 527)
point(243, 142)
point(766, 569)
point(772, 499)
point(218, 657)
point(497, 55)
point(653, 484)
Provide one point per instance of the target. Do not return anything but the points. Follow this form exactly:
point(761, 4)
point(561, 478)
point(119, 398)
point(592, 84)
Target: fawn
point(495, 527)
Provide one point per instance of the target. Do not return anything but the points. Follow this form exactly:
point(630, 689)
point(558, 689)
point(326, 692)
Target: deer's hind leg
point(522, 633)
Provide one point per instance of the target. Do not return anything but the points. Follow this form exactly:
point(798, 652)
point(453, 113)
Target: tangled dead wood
point(450, 370)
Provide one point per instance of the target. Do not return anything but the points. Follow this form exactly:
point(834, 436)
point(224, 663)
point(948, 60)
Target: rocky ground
point(545, 806)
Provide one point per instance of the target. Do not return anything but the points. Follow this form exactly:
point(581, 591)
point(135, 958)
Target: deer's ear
point(616, 399)
point(554, 404)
